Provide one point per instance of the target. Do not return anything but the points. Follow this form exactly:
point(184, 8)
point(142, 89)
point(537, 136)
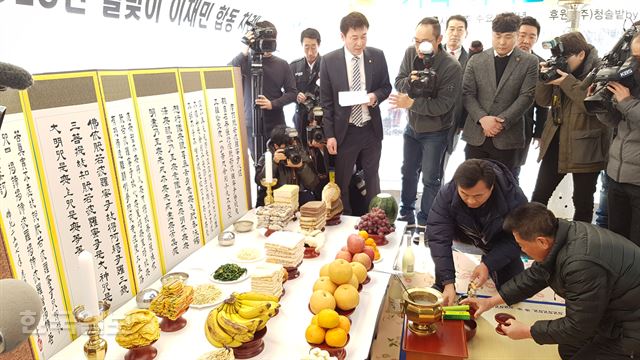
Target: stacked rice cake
point(274, 216)
point(287, 195)
point(335, 209)
point(267, 279)
point(313, 215)
point(285, 248)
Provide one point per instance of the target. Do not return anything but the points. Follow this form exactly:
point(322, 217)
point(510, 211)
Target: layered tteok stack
point(313, 216)
point(287, 195)
point(274, 216)
point(285, 248)
point(267, 279)
point(331, 197)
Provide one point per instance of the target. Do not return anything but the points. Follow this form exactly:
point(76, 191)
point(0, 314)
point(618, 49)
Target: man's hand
point(491, 125)
point(558, 81)
point(479, 304)
point(332, 146)
point(449, 295)
point(400, 101)
point(414, 76)
point(279, 156)
point(300, 98)
point(516, 330)
point(480, 274)
point(263, 102)
point(373, 99)
point(620, 91)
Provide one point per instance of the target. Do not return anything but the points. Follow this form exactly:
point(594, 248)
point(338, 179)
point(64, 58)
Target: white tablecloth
point(285, 333)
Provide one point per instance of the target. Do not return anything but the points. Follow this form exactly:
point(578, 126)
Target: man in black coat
point(470, 210)
point(596, 271)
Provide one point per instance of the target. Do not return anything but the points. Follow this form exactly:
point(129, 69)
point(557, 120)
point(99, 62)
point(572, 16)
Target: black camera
point(557, 61)
point(293, 154)
point(264, 38)
point(618, 66)
point(311, 102)
point(426, 83)
point(316, 132)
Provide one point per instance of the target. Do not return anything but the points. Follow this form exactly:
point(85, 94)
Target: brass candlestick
point(96, 347)
point(269, 198)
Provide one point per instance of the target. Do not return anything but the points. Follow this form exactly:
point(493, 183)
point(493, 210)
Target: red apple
point(355, 243)
point(363, 259)
point(344, 255)
point(344, 248)
point(369, 251)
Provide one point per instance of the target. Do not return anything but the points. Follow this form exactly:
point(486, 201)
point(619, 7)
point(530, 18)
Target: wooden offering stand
point(142, 353)
point(447, 343)
point(251, 348)
point(339, 353)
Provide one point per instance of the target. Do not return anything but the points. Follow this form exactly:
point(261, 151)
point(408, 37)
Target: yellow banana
point(230, 326)
point(252, 295)
point(215, 334)
point(243, 338)
point(251, 312)
point(251, 324)
point(261, 326)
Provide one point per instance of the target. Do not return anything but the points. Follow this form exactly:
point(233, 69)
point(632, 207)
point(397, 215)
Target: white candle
point(268, 169)
point(87, 289)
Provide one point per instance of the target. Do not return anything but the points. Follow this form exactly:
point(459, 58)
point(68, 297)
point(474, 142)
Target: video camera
point(316, 132)
point(558, 61)
point(264, 38)
point(425, 85)
point(617, 65)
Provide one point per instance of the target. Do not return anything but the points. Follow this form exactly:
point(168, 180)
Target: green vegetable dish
point(229, 272)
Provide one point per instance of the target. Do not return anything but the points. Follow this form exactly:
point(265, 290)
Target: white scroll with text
point(169, 162)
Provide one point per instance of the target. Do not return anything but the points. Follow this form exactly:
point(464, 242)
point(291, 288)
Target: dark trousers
point(596, 348)
point(360, 144)
point(510, 158)
point(423, 152)
point(624, 210)
point(584, 184)
point(505, 274)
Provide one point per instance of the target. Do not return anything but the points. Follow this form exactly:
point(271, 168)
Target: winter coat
point(597, 272)
point(583, 140)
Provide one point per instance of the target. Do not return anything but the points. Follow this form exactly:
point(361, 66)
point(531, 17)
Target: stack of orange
point(370, 242)
point(328, 327)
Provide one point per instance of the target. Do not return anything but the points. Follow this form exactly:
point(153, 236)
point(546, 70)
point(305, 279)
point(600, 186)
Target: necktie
point(356, 110)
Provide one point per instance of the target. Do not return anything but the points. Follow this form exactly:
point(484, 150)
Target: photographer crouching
point(292, 165)
point(429, 84)
point(623, 169)
point(573, 140)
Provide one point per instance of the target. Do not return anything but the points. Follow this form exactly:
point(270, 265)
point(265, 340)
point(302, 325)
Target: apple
point(369, 251)
point(363, 259)
point(345, 248)
point(355, 243)
point(344, 255)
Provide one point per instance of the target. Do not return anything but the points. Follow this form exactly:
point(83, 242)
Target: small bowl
point(470, 327)
point(242, 226)
point(227, 238)
point(182, 276)
point(145, 297)
point(502, 318)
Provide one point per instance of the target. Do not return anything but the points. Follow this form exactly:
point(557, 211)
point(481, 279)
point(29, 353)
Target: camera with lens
point(293, 154)
point(426, 83)
point(310, 102)
point(618, 66)
point(315, 132)
point(557, 61)
point(264, 38)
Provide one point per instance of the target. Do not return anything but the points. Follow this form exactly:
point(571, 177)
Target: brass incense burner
point(424, 311)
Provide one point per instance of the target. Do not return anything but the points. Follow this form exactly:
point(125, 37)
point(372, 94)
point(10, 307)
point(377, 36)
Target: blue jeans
point(423, 152)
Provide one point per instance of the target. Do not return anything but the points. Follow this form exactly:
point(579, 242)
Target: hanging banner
point(168, 159)
point(202, 150)
point(229, 142)
point(70, 137)
point(26, 233)
point(132, 178)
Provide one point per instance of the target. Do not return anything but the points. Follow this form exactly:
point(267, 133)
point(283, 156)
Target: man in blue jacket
point(470, 209)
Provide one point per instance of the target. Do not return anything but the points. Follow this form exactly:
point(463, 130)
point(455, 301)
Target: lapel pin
point(370, 61)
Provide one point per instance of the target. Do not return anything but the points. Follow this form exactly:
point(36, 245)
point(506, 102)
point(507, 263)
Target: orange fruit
point(363, 234)
point(314, 319)
point(336, 337)
point(344, 324)
point(314, 334)
point(328, 318)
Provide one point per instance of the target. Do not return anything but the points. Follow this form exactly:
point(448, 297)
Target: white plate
point(240, 279)
point(222, 298)
point(260, 257)
point(377, 261)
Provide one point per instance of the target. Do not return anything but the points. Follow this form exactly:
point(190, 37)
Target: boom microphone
point(20, 311)
point(14, 77)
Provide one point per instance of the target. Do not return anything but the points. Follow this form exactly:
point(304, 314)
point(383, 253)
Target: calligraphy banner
point(229, 141)
point(70, 139)
point(26, 231)
point(169, 162)
point(132, 177)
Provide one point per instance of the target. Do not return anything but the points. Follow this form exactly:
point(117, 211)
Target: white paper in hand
point(351, 98)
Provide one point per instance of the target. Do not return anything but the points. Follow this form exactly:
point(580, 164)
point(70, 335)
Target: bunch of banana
point(239, 317)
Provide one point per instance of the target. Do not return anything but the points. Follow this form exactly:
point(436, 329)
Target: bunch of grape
point(375, 222)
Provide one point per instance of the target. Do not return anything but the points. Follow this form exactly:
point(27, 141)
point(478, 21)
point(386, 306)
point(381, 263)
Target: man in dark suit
point(535, 117)
point(306, 72)
point(498, 89)
point(354, 131)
